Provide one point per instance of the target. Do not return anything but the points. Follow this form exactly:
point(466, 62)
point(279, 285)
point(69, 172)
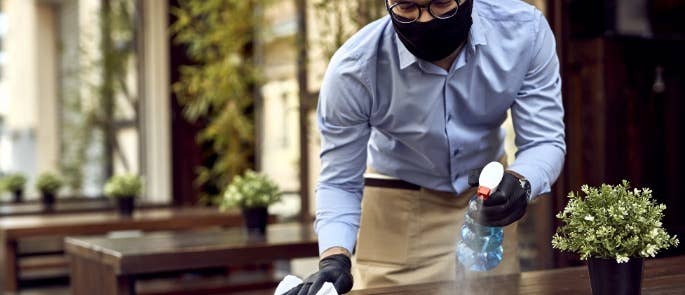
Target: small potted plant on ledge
point(48, 184)
point(15, 183)
point(614, 228)
point(253, 193)
point(124, 189)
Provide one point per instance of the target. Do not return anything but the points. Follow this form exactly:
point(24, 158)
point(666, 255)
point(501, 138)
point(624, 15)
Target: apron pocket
point(385, 225)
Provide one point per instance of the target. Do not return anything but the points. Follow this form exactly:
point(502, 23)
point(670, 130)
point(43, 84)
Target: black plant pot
point(255, 219)
point(18, 196)
point(610, 277)
point(125, 205)
point(48, 200)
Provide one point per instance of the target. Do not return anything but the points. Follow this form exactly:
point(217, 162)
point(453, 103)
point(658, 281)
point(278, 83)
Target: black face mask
point(438, 38)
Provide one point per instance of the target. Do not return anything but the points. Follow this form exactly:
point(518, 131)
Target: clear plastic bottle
point(480, 247)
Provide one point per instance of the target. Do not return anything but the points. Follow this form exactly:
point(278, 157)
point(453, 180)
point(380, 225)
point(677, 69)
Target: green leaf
point(127, 185)
point(251, 189)
point(49, 182)
point(219, 88)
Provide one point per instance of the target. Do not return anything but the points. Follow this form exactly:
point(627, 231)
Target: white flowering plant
point(13, 182)
point(49, 182)
point(123, 186)
point(612, 222)
point(250, 190)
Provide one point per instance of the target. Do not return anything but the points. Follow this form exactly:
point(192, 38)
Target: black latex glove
point(335, 269)
point(505, 206)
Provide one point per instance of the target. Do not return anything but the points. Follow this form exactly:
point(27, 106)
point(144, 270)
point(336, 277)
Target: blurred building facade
point(51, 92)
point(29, 121)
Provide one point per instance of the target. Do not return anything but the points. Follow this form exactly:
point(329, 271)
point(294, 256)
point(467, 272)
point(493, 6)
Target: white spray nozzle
point(489, 179)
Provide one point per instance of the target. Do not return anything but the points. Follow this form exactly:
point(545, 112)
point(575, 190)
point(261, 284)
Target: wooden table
point(110, 265)
point(9, 201)
point(661, 276)
point(14, 228)
point(68, 206)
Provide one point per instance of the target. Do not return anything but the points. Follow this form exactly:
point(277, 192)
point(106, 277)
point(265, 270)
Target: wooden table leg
point(10, 277)
point(90, 277)
point(126, 285)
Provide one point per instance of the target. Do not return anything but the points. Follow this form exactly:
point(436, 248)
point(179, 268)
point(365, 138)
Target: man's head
point(431, 30)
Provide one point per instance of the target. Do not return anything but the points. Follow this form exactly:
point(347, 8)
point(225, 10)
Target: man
point(423, 92)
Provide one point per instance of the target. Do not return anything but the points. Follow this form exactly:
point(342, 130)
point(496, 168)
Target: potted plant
point(252, 192)
point(614, 228)
point(48, 184)
point(124, 189)
point(15, 183)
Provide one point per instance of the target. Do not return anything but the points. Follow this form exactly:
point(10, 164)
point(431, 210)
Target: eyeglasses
point(405, 11)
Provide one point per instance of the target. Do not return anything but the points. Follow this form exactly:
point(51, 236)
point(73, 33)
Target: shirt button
point(449, 117)
point(456, 152)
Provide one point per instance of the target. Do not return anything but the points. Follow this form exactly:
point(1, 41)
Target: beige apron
point(410, 236)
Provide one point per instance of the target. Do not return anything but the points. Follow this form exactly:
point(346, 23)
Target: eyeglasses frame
point(421, 8)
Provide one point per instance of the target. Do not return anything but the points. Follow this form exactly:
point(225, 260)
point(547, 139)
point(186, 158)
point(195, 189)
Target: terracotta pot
point(610, 277)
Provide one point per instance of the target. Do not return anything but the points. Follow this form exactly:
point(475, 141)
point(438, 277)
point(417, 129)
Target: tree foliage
point(90, 105)
point(341, 19)
point(218, 89)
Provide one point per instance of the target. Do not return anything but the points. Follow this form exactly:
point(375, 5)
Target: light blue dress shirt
point(382, 107)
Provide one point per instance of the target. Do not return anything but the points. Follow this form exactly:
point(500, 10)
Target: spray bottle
point(480, 247)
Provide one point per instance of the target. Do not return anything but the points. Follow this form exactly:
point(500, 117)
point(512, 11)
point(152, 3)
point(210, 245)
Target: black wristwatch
point(525, 184)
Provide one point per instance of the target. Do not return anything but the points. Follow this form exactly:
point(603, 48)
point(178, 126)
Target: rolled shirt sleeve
point(343, 122)
point(538, 114)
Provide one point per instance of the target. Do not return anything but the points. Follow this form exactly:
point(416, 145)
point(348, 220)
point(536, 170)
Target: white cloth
point(291, 281)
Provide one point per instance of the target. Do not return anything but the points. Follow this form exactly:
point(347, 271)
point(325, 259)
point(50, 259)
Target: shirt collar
point(406, 57)
point(476, 37)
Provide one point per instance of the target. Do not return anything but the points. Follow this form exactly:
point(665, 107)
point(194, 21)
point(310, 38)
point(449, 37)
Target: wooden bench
point(114, 265)
point(42, 252)
point(14, 229)
point(61, 199)
point(69, 206)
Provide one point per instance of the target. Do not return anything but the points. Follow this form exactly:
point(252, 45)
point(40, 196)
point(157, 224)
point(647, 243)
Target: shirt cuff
point(336, 234)
point(337, 217)
point(540, 166)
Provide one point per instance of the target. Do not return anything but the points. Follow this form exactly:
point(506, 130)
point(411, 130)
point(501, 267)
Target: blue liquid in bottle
point(480, 247)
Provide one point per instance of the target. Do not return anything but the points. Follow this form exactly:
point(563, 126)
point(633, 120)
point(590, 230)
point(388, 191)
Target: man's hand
point(506, 205)
point(335, 269)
